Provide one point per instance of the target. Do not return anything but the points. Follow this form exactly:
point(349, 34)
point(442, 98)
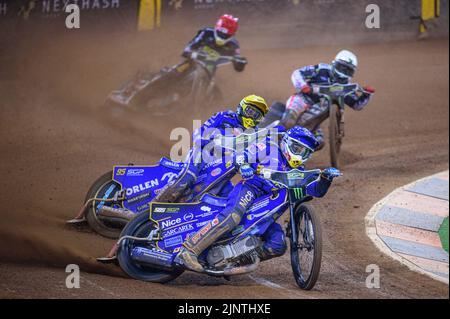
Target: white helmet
point(345, 64)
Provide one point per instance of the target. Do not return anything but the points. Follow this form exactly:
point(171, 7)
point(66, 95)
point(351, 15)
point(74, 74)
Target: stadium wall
point(264, 23)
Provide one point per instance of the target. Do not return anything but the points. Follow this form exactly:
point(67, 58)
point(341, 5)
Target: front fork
point(292, 230)
point(342, 124)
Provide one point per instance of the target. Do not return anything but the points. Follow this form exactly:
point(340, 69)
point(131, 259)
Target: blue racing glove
point(246, 171)
point(331, 173)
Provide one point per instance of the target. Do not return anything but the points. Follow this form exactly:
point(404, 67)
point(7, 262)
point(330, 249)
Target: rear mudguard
point(141, 184)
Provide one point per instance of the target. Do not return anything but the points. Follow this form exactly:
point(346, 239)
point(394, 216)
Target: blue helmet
point(297, 145)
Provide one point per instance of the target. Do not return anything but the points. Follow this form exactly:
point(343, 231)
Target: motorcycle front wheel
point(140, 226)
point(306, 254)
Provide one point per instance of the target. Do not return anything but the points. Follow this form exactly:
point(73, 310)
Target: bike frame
point(176, 222)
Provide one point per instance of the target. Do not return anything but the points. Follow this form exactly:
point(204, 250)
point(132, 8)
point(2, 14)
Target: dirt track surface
point(53, 147)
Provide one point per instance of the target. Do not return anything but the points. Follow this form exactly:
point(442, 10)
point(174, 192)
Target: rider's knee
point(274, 242)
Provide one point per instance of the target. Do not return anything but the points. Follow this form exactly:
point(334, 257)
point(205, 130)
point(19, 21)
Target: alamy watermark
point(373, 19)
point(73, 279)
point(73, 17)
point(373, 279)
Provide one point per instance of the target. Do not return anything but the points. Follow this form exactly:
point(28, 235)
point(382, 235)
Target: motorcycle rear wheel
point(140, 226)
point(309, 239)
point(97, 189)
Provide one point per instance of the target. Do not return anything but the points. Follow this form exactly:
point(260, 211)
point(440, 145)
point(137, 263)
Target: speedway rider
point(250, 112)
point(340, 71)
point(219, 39)
point(292, 151)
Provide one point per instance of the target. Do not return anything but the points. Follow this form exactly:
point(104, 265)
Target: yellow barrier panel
point(149, 14)
point(430, 10)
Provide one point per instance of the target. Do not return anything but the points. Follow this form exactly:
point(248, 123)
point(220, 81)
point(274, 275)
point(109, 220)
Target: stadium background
point(54, 144)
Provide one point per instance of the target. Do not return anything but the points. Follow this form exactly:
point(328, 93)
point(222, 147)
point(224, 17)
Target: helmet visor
point(222, 35)
point(252, 112)
point(299, 149)
point(345, 69)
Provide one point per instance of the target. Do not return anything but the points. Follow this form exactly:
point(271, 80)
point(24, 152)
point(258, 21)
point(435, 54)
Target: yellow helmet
point(252, 110)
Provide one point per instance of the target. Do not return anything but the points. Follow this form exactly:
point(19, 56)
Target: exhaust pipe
point(150, 257)
point(235, 271)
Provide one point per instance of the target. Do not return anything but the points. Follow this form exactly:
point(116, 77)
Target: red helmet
point(226, 28)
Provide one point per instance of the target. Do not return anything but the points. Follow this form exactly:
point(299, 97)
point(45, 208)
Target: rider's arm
point(318, 188)
point(358, 100)
point(203, 135)
point(194, 44)
point(239, 62)
point(301, 77)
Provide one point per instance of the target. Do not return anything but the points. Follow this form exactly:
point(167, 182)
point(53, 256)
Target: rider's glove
point(369, 90)
point(246, 171)
point(306, 89)
point(239, 63)
point(331, 173)
point(194, 55)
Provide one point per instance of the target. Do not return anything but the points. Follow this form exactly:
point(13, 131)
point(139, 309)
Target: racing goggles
point(344, 69)
point(297, 148)
point(252, 112)
point(223, 34)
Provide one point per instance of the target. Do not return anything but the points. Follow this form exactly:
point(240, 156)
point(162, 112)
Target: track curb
point(388, 210)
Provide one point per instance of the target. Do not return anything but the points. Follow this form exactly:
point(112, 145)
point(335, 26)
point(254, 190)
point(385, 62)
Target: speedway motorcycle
point(150, 242)
point(331, 106)
point(191, 82)
point(119, 195)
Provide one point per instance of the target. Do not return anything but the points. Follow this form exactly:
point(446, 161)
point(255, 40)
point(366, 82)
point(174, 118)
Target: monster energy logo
point(298, 193)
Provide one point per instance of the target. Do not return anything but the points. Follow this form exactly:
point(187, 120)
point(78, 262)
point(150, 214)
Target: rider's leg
point(274, 242)
point(172, 192)
point(296, 105)
point(240, 199)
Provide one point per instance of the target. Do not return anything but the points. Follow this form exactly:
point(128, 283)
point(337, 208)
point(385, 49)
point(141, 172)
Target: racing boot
point(196, 244)
point(189, 260)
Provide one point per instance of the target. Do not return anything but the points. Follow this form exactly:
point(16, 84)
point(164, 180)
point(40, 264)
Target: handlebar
point(335, 90)
point(291, 179)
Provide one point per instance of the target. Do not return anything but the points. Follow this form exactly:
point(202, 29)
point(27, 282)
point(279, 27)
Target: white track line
point(266, 282)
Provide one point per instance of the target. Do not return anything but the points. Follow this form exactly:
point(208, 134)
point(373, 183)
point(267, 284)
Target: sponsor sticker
point(179, 230)
point(202, 224)
point(141, 187)
point(216, 172)
point(171, 222)
point(295, 175)
point(188, 217)
point(173, 241)
point(133, 172)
